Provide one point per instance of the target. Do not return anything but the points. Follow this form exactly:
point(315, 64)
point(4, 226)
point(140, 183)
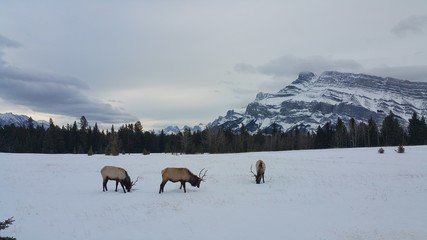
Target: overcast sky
point(183, 62)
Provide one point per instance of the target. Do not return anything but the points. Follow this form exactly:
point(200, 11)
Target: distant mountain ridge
point(19, 120)
point(311, 101)
point(175, 129)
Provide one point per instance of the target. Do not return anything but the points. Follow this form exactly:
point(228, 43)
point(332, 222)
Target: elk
point(182, 175)
point(260, 170)
point(117, 174)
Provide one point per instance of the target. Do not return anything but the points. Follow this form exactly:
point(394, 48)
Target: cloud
point(411, 73)
point(415, 25)
point(6, 42)
point(52, 93)
point(244, 67)
point(291, 66)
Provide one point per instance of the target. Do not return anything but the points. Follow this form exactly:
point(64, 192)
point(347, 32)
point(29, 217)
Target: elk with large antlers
point(117, 174)
point(260, 170)
point(182, 175)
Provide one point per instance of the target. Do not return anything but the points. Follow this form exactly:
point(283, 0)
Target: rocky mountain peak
point(311, 101)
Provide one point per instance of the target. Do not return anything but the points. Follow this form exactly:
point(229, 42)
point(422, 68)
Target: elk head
point(129, 184)
point(257, 179)
point(201, 178)
point(258, 176)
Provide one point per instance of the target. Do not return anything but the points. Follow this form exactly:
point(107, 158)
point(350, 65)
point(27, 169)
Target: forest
point(80, 138)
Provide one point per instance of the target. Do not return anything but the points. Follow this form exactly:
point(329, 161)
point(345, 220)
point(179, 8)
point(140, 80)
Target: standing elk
point(260, 170)
point(117, 174)
point(182, 175)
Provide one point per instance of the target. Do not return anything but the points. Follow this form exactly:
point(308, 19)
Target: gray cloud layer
point(415, 25)
point(51, 93)
point(289, 66)
point(6, 43)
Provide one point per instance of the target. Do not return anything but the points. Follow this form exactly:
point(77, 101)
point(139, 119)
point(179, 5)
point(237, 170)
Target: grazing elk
point(260, 170)
point(117, 174)
point(182, 175)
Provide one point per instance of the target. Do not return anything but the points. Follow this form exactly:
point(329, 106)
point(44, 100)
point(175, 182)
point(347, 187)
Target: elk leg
point(263, 178)
point(117, 184)
point(183, 185)
point(122, 187)
point(104, 185)
point(162, 185)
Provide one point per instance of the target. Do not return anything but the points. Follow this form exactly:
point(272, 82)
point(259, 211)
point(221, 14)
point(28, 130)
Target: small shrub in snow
point(90, 152)
point(145, 152)
point(400, 149)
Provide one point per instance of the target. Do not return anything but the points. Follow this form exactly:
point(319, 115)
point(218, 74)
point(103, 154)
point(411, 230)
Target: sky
point(185, 62)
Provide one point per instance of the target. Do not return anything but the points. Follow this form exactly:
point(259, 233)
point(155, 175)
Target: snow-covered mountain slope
point(313, 100)
point(19, 120)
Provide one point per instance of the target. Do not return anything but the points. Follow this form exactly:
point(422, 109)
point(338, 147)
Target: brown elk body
point(116, 174)
point(260, 170)
point(182, 175)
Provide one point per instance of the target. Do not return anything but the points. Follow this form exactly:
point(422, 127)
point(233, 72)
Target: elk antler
point(200, 173)
point(253, 172)
point(133, 183)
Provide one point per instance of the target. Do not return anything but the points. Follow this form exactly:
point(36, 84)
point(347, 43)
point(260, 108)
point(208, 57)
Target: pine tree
point(138, 141)
point(341, 134)
point(352, 125)
point(113, 143)
point(83, 140)
point(243, 139)
point(373, 134)
point(53, 141)
point(90, 152)
point(416, 130)
point(5, 224)
point(424, 129)
point(186, 141)
point(391, 132)
point(74, 138)
point(362, 139)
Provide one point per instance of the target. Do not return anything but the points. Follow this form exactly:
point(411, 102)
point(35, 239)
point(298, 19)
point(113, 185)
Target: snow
point(316, 194)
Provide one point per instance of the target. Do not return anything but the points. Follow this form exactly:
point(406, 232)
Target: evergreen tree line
point(131, 138)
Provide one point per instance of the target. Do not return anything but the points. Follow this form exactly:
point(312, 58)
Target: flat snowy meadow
point(315, 194)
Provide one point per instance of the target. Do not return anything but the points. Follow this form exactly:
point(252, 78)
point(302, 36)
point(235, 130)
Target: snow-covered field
point(317, 194)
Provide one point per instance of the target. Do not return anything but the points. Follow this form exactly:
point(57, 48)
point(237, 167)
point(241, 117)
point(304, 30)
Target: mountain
point(311, 101)
point(19, 120)
point(175, 129)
